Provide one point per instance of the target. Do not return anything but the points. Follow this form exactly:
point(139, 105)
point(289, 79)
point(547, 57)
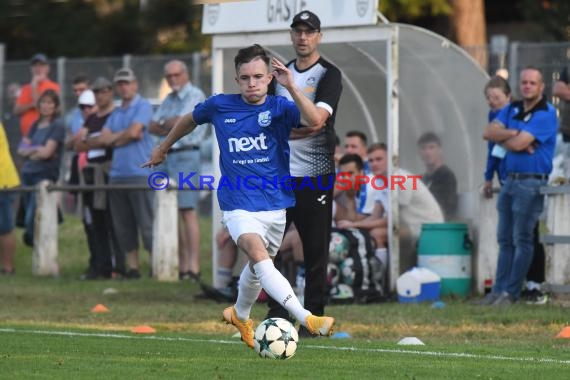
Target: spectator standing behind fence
point(73, 122)
point(439, 178)
point(126, 131)
point(74, 118)
point(13, 90)
point(561, 89)
point(86, 106)
point(184, 159)
point(95, 171)
point(527, 130)
point(26, 104)
point(498, 94)
point(312, 157)
point(42, 150)
point(8, 179)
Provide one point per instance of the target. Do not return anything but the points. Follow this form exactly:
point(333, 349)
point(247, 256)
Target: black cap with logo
point(308, 18)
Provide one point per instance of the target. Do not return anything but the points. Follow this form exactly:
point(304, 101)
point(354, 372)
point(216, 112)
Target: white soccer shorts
point(270, 225)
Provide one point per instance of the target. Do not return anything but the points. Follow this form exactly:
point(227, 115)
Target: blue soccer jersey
point(541, 122)
point(254, 150)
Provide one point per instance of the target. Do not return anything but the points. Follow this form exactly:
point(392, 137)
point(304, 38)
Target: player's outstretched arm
point(184, 126)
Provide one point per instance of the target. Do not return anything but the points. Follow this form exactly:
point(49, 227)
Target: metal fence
point(550, 57)
point(149, 71)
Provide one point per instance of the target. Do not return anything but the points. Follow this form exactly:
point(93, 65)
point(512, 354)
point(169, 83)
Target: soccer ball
point(347, 270)
point(338, 247)
point(275, 338)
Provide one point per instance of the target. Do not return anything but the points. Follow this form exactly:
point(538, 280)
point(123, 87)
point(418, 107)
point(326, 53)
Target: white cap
point(87, 98)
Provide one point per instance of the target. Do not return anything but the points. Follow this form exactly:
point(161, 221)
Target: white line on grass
point(355, 349)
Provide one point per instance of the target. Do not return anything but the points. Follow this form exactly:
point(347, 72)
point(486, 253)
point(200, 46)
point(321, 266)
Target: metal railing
point(165, 226)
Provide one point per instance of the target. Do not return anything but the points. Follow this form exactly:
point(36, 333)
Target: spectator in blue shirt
point(527, 130)
point(126, 131)
point(73, 121)
point(184, 158)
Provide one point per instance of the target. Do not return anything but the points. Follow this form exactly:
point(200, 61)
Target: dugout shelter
point(399, 81)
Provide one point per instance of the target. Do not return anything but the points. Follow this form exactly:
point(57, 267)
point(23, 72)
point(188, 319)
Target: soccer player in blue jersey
point(252, 130)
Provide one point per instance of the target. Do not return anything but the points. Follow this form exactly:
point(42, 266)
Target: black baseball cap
point(308, 18)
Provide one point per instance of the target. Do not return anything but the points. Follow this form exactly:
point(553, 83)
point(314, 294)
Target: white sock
point(224, 277)
point(382, 255)
point(249, 288)
point(279, 289)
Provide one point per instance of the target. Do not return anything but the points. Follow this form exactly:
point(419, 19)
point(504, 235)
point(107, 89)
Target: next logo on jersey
point(245, 144)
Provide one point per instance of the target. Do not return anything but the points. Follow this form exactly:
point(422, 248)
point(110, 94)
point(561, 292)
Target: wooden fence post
point(165, 236)
point(44, 259)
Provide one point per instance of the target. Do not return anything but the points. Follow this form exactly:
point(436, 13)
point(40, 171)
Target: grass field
point(47, 331)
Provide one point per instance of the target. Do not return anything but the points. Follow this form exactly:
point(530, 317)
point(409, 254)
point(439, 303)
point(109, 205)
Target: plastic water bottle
point(488, 285)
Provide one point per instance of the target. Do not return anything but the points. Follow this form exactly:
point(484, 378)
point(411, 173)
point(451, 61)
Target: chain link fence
point(550, 57)
point(149, 71)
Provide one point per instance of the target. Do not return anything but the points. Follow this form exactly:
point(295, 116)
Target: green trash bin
point(445, 248)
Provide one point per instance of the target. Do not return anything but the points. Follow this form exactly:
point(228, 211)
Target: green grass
point(47, 331)
point(53, 356)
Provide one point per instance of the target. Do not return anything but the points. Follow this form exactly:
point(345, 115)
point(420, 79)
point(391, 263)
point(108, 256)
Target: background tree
point(552, 15)
point(469, 27)
point(77, 28)
point(413, 10)
point(462, 21)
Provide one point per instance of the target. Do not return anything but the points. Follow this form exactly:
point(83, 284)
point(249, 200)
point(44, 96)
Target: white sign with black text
point(265, 15)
